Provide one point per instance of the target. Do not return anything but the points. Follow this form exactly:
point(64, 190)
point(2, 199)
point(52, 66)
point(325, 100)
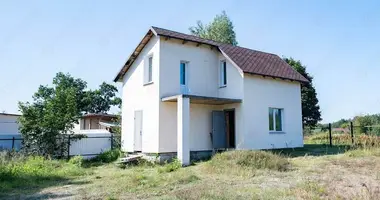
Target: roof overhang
point(109, 124)
point(195, 99)
point(10, 114)
point(134, 55)
point(166, 34)
point(276, 77)
point(141, 46)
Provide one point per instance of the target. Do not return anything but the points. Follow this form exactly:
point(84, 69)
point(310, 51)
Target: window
point(150, 69)
point(183, 70)
point(275, 119)
point(148, 72)
point(223, 74)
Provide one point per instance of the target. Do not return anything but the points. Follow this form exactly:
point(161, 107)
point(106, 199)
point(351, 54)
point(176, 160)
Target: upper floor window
point(148, 72)
point(183, 74)
point(223, 74)
point(275, 119)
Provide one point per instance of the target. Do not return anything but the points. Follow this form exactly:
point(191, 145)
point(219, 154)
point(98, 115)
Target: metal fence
point(348, 135)
point(89, 146)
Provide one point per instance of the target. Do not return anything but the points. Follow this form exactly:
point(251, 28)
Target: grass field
point(313, 172)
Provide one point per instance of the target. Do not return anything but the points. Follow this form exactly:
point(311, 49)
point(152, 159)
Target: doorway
point(229, 116)
point(223, 129)
point(138, 130)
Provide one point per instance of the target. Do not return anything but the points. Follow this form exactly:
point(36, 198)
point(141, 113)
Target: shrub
point(174, 165)
point(108, 156)
point(76, 160)
point(250, 160)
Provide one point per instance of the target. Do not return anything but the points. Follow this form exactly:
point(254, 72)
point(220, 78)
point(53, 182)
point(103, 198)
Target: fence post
point(330, 136)
point(13, 142)
point(111, 141)
point(352, 132)
point(68, 148)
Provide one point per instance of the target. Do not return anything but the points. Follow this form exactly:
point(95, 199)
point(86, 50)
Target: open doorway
point(229, 116)
point(223, 129)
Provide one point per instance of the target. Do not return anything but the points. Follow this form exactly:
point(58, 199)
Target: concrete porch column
point(183, 126)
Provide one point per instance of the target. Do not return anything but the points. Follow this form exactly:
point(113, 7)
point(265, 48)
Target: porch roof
point(195, 99)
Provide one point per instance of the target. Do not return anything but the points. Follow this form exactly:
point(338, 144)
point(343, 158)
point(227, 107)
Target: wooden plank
point(131, 158)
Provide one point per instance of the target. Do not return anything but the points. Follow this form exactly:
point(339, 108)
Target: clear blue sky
point(339, 41)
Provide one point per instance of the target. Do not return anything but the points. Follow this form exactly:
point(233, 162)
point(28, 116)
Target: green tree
point(54, 111)
point(311, 113)
point(102, 99)
point(367, 124)
point(220, 29)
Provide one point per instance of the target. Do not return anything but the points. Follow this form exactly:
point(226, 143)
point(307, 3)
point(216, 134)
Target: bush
point(174, 165)
point(76, 160)
point(250, 160)
point(108, 156)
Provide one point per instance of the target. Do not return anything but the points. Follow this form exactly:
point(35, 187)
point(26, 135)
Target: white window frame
point(148, 70)
point(223, 73)
point(274, 120)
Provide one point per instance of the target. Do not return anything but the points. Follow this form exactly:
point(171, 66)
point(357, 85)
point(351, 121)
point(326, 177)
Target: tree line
point(363, 124)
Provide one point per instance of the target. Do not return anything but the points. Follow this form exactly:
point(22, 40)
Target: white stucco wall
point(203, 80)
point(200, 126)
point(8, 124)
point(259, 95)
point(137, 96)
point(203, 70)
point(160, 118)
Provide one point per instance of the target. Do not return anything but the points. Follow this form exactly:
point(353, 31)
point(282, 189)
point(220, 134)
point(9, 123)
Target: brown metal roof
point(248, 60)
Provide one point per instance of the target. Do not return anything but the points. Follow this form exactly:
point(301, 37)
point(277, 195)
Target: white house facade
point(186, 96)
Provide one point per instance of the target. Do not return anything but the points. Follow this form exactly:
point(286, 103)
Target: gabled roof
point(248, 60)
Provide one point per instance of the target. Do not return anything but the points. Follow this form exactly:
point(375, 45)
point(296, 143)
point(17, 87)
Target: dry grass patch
point(238, 175)
point(237, 162)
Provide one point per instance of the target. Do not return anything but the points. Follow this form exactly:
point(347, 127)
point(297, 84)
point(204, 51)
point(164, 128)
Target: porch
point(220, 120)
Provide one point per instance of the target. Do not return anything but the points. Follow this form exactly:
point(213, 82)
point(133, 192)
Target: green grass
point(313, 172)
point(20, 172)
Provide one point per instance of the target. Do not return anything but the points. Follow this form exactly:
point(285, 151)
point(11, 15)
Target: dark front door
point(219, 136)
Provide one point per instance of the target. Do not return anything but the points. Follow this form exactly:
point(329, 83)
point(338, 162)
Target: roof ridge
point(219, 43)
point(252, 49)
point(190, 35)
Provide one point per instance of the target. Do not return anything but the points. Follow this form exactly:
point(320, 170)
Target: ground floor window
point(275, 119)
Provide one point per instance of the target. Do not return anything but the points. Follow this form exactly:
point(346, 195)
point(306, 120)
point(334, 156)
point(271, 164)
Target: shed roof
point(248, 60)
point(10, 114)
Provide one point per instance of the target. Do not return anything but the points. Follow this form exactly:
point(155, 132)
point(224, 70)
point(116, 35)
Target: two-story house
point(185, 96)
